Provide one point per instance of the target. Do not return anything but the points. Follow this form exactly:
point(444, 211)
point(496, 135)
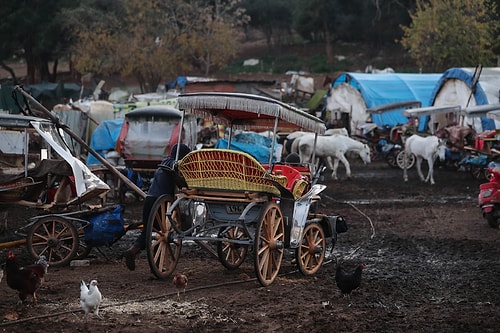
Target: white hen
point(90, 298)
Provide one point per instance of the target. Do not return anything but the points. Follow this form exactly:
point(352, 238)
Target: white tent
point(466, 87)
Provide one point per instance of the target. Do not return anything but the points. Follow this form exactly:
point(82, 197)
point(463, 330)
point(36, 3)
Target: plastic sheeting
point(254, 144)
point(104, 138)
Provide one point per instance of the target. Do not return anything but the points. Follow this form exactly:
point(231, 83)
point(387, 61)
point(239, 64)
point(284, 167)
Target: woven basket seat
point(230, 170)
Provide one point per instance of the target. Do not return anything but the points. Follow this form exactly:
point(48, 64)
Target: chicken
point(90, 298)
point(348, 282)
point(26, 280)
point(180, 282)
point(43, 261)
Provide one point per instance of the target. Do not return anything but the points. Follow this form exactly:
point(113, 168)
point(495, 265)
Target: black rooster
point(26, 280)
point(348, 282)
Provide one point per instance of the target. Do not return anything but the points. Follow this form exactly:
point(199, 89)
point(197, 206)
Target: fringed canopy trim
point(247, 111)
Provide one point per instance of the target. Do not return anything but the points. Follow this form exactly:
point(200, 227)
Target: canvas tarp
point(356, 92)
point(104, 138)
point(456, 87)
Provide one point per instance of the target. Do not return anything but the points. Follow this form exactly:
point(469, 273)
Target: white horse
point(427, 148)
point(296, 136)
point(333, 147)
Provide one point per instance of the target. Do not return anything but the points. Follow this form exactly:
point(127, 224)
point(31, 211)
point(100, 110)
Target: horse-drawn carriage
point(39, 171)
point(233, 205)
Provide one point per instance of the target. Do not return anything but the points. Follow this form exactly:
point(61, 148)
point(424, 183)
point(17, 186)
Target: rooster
point(180, 282)
point(26, 280)
point(348, 282)
point(90, 298)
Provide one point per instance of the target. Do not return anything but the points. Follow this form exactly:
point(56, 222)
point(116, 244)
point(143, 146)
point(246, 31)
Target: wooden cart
point(233, 205)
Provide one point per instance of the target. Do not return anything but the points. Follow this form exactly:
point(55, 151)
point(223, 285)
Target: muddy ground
point(432, 265)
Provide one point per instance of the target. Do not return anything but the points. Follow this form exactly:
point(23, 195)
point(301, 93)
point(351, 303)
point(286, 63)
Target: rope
point(351, 254)
point(359, 211)
point(137, 300)
point(147, 298)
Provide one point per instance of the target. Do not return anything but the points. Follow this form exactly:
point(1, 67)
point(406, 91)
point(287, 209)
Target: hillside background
point(275, 61)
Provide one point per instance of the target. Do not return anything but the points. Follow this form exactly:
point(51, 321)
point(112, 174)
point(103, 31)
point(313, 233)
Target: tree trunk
point(53, 76)
point(11, 72)
point(328, 43)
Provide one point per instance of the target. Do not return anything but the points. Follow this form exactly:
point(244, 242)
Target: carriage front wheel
point(311, 251)
point(269, 244)
point(55, 238)
point(162, 248)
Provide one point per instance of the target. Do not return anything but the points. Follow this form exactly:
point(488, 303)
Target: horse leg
point(405, 169)
point(430, 174)
point(335, 167)
point(344, 161)
point(419, 168)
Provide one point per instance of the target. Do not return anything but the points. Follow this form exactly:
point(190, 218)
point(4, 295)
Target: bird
point(42, 260)
point(180, 282)
point(348, 282)
point(90, 298)
point(26, 280)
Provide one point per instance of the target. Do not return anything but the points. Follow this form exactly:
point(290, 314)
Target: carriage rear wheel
point(83, 249)
point(232, 254)
point(55, 238)
point(269, 244)
point(311, 252)
point(162, 248)
point(391, 157)
point(400, 160)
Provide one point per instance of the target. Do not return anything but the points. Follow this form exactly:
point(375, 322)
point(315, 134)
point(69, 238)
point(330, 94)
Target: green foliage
point(282, 64)
point(452, 33)
point(158, 40)
point(32, 30)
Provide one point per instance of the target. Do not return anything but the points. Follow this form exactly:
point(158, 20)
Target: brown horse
point(457, 136)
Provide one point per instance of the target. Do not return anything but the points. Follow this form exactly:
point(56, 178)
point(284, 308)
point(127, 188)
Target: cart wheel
point(55, 238)
point(391, 158)
point(83, 249)
point(269, 244)
point(232, 255)
point(311, 252)
point(162, 249)
point(401, 162)
point(478, 173)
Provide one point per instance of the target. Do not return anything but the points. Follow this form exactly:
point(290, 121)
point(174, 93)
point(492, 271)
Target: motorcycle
point(489, 196)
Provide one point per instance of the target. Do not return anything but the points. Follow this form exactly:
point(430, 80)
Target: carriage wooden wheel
point(162, 249)
point(232, 254)
point(55, 238)
point(400, 160)
point(269, 244)
point(83, 250)
point(311, 252)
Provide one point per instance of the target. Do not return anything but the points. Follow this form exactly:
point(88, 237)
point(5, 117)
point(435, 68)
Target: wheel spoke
point(162, 253)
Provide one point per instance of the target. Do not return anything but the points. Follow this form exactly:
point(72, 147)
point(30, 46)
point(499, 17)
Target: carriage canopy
point(249, 112)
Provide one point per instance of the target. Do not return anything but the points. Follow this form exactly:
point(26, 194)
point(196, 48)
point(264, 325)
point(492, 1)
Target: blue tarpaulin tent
point(377, 89)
